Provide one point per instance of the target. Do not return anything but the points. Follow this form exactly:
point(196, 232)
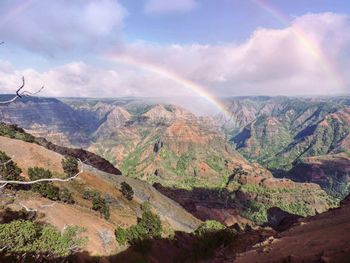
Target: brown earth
point(123, 212)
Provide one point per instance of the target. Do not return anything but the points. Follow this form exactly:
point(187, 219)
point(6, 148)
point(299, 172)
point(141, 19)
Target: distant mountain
point(50, 118)
point(166, 144)
point(278, 132)
point(331, 171)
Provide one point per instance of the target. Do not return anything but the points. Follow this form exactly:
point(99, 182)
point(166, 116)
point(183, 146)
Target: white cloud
point(310, 57)
point(169, 6)
point(49, 26)
point(272, 62)
point(79, 79)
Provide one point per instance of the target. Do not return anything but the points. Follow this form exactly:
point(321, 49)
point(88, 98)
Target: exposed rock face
point(321, 238)
point(169, 145)
point(166, 144)
point(281, 130)
point(283, 133)
point(331, 172)
point(50, 118)
point(281, 220)
point(252, 195)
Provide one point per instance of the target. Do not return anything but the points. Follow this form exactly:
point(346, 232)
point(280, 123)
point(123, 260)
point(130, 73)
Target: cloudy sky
point(102, 48)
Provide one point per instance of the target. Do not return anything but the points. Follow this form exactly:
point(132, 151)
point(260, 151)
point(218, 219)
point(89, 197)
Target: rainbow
point(17, 10)
point(200, 90)
point(307, 42)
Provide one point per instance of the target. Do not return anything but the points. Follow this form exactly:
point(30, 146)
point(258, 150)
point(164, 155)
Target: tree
point(8, 169)
point(99, 204)
point(90, 194)
point(127, 190)
point(66, 196)
point(210, 235)
point(24, 236)
point(148, 227)
point(21, 93)
point(70, 165)
point(45, 189)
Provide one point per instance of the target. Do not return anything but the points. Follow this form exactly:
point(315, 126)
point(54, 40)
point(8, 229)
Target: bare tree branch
point(44, 179)
point(27, 208)
point(20, 94)
point(106, 238)
point(8, 161)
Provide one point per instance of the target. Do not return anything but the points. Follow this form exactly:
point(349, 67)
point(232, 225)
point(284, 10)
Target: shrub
point(9, 171)
point(45, 189)
point(62, 244)
point(127, 191)
point(149, 222)
point(99, 204)
point(70, 166)
point(209, 226)
point(148, 227)
point(13, 131)
point(24, 236)
point(66, 196)
point(90, 194)
point(256, 212)
point(210, 236)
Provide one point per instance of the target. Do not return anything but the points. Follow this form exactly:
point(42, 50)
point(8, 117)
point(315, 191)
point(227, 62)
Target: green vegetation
point(127, 191)
point(133, 159)
point(208, 238)
point(45, 189)
point(183, 163)
point(215, 162)
point(256, 212)
point(70, 166)
point(278, 197)
point(90, 194)
point(209, 226)
point(9, 170)
point(66, 196)
point(23, 236)
point(99, 204)
point(148, 227)
point(15, 132)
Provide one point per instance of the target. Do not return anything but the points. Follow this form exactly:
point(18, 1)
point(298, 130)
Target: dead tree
point(21, 93)
point(106, 238)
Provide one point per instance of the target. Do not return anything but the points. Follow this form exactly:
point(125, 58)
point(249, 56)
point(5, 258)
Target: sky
point(169, 48)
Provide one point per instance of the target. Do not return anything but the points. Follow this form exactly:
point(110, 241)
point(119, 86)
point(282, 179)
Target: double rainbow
point(200, 90)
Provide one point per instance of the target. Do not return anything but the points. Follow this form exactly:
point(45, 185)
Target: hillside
point(278, 132)
point(331, 172)
point(49, 118)
point(194, 170)
point(322, 238)
point(167, 145)
point(122, 211)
